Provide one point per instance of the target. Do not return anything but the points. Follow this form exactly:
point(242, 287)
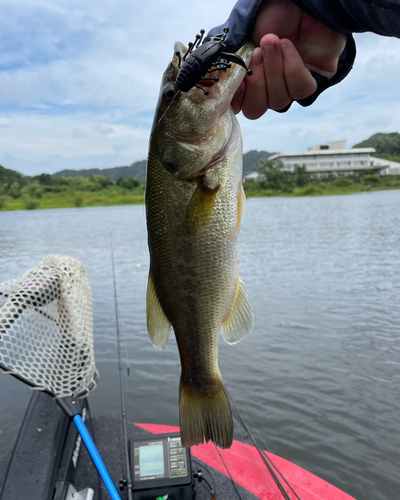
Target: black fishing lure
point(206, 58)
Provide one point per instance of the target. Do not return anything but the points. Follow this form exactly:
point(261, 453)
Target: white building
point(335, 158)
point(388, 167)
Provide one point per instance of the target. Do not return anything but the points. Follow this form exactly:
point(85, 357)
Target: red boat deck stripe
point(249, 471)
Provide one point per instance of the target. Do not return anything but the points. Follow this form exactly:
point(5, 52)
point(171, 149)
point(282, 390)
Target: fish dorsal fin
point(239, 321)
point(158, 325)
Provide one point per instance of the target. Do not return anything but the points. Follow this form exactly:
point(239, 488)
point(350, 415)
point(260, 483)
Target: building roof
point(323, 152)
point(252, 175)
point(387, 163)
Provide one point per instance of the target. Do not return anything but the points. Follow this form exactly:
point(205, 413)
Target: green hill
point(8, 176)
point(252, 159)
point(387, 146)
point(136, 171)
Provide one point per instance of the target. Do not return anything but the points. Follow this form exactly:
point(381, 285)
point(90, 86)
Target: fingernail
point(285, 49)
point(256, 58)
point(269, 50)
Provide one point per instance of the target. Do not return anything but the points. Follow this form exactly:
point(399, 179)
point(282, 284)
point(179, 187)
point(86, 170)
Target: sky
point(79, 81)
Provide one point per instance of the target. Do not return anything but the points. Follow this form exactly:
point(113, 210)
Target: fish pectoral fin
point(200, 207)
point(158, 325)
point(241, 203)
point(239, 321)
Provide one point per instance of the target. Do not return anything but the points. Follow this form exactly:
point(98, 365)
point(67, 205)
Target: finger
point(281, 17)
point(278, 94)
point(299, 81)
point(255, 101)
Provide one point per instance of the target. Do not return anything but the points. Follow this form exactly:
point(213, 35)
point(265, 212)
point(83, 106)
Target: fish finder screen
point(151, 460)
point(159, 461)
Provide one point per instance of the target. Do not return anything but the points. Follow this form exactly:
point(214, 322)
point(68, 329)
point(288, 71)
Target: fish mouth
point(230, 67)
point(229, 79)
point(197, 126)
point(207, 83)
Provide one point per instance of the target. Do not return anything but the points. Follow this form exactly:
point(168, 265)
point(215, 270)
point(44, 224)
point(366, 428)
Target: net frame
point(46, 328)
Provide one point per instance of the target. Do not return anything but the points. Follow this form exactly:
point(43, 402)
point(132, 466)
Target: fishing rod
point(267, 460)
point(121, 382)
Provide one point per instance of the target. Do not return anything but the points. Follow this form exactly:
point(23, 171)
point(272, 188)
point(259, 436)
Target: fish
point(194, 207)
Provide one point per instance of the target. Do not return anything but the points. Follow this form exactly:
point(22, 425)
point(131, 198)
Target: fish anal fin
point(205, 416)
point(200, 207)
point(158, 325)
point(239, 321)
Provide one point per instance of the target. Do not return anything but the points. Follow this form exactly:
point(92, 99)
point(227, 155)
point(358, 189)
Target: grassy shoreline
point(312, 190)
point(74, 199)
point(78, 199)
point(68, 203)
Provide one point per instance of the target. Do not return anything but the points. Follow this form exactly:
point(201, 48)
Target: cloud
point(35, 144)
point(104, 130)
point(79, 82)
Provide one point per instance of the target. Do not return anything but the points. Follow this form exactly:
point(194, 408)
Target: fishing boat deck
point(108, 436)
point(47, 457)
point(109, 440)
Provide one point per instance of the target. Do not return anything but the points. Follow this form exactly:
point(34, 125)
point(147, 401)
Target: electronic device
point(161, 466)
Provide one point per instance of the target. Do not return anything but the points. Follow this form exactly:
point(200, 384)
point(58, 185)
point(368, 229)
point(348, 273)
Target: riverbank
point(337, 186)
point(313, 191)
point(71, 199)
point(115, 196)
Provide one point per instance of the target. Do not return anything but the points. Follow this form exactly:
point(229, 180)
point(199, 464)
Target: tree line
point(27, 192)
point(45, 191)
point(274, 180)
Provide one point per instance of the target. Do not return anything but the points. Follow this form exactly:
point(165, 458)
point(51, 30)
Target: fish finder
point(161, 466)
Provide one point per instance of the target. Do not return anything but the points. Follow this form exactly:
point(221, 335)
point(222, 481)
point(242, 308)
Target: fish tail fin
point(205, 416)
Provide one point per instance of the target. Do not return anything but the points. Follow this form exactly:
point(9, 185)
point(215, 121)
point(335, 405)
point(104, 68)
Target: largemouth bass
point(194, 205)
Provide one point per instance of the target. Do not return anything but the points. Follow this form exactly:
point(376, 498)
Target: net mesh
point(46, 328)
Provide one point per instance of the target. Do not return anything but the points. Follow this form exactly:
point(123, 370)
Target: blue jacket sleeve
point(356, 16)
point(344, 16)
point(241, 24)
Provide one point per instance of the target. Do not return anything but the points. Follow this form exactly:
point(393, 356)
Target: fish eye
point(169, 92)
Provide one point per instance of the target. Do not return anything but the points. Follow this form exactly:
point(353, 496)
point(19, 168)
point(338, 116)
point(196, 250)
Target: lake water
point(318, 378)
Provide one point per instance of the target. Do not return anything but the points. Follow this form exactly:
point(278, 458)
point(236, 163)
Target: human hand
point(289, 44)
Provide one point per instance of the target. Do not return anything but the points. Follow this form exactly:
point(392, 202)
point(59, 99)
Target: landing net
point(46, 328)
